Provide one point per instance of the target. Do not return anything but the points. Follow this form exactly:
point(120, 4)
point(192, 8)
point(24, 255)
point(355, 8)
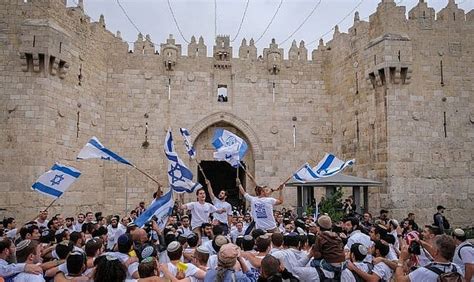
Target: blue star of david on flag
point(180, 177)
point(328, 166)
point(95, 150)
point(56, 181)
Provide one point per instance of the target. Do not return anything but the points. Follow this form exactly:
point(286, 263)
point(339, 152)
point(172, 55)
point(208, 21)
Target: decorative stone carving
point(274, 129)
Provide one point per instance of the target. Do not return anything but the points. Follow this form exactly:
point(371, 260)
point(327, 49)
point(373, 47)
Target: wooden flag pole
point(289, 178)
point(200, 168)
point(248, 174)
point(147, 175)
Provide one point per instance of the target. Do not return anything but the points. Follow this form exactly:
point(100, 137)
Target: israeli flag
point(179, 176)
point(187, 142)
point(230, 147)
point(328, 166)
point(55, 182)
point(160, 208)
point(95, 150)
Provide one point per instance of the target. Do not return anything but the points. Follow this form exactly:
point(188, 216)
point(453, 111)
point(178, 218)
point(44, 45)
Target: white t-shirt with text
point(262, 211)
point(200, 213)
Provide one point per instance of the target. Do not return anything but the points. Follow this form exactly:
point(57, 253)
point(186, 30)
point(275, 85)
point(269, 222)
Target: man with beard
point(7, 250)
point(220, 203)
point(113, 232)
point(351, 226)
point(262, 206)
point(185, 228)
point(80, 220)
point(70, 224)
point(207, 234)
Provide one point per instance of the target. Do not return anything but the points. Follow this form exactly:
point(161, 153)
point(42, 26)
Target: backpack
point(357, 277)
point(446, 224)
point(459, 251)
point(453, 276)
point(323, 278)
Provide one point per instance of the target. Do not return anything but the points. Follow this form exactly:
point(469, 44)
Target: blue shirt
point(211, 276)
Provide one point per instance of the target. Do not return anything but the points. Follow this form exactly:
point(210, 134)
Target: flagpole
point(200, 168)
point(248, 174)
point(289, 178)
point(46, 209)
point(147, 175)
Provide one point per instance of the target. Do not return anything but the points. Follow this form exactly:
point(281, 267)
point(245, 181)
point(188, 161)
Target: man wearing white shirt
point(220, 203)
point(238, 231)
point(443, 252)
point(381, 271)
point(113, 232)
point(42, 220)
point(464, 254)
point(80, 220)
point(28, 252)
point(7, 248)
point(262, 206)
point(200, 211)
point(357, 257)
point(185, 228)
point(351, 226)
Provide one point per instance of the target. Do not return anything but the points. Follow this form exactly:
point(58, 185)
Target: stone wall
point(394, 93)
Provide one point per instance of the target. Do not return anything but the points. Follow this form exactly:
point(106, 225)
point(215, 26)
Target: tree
point(333, 205)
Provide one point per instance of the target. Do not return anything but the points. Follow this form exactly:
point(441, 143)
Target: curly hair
point(110, 270)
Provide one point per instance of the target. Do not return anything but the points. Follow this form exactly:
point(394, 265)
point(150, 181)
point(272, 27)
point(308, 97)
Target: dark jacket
point(329, 246)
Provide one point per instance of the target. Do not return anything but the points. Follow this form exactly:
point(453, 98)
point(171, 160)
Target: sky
point(209, 17)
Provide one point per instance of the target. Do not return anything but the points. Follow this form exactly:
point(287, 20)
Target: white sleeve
point(189, 206)
point(467, 254)
point(11, 269)
point(229, 209)
point(191, 270)
point(380, 271)
point(132, 268)
point(212, 208)
point(272, 201)
point(248, 197)
point(306, 273)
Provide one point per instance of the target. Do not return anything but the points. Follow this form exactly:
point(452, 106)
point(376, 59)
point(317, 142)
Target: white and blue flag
point(187, 142)
point(55, 181)
point(328, 166)
point(95, 150)
point(230, 147)
point(179, 176)
point(161, 209)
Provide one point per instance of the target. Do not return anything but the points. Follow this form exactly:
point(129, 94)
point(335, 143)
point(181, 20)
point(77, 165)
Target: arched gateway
point(221, 174)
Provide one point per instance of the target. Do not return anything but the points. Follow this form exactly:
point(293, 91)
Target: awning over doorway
point(339, 180)
point(305, 190)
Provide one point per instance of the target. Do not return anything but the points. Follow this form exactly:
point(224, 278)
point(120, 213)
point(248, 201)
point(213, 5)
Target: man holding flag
point(200, 210)
point(261, 206)
point(220, 203)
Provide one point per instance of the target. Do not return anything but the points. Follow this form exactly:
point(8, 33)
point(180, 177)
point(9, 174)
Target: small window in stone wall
point(222, 93)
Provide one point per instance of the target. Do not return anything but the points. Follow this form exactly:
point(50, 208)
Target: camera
point(414, 248)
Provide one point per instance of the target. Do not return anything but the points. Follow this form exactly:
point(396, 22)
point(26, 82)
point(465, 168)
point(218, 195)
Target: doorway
point(222, 177)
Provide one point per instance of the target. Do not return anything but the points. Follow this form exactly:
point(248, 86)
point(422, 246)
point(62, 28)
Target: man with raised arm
point(220, 203)
point(261, 206)
point(200, 211)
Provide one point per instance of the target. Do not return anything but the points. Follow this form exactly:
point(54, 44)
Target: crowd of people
point(211, 241)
